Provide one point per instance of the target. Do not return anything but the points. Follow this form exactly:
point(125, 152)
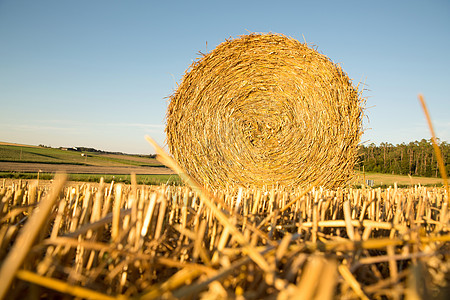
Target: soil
point(77, 169)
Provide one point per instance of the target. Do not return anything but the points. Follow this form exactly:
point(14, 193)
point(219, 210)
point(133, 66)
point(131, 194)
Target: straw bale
point(265, 109)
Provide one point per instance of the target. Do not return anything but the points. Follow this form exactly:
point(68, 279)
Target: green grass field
point(123, 178)
point(10, 153)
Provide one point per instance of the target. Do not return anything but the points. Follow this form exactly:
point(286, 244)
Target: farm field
point(402, 180)
point(109, 240)
point(114, 241)
point(46, 179)
point(79, 169)
point(32, 159)
point(33, 154)
point(24, 161)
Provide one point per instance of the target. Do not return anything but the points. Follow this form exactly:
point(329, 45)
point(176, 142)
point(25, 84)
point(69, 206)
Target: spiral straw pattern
point(264, 110)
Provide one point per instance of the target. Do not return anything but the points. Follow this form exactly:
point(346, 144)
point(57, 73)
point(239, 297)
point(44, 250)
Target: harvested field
point(401, 180)
point(152, 242)
point(17, 145)
point(130, 157)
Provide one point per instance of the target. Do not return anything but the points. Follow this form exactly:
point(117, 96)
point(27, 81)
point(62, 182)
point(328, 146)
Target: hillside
point(35, 154)
point(23, 158)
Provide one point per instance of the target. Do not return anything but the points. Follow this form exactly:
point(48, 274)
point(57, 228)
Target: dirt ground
point(76, 169)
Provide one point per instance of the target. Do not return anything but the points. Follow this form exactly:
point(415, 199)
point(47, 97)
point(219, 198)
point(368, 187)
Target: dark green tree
point(415, 158)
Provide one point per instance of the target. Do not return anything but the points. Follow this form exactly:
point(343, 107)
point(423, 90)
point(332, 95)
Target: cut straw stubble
point(28, 235)
point(164, 158)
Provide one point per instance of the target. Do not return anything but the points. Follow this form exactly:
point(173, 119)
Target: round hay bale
point(265, 109)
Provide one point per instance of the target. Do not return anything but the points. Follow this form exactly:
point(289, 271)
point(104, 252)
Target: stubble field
point(109, 240)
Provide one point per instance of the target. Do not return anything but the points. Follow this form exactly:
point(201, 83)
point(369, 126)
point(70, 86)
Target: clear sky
point(98, 73)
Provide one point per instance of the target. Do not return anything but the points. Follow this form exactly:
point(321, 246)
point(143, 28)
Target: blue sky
point(98, 73)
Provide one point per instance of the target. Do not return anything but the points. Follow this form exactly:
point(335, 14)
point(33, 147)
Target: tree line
point(89, 149)
point(416, 158)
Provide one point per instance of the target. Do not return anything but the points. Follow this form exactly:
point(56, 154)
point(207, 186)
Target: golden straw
point(265, 110)
point(436, 148)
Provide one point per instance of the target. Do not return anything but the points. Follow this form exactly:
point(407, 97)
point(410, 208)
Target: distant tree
point(415, 158)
